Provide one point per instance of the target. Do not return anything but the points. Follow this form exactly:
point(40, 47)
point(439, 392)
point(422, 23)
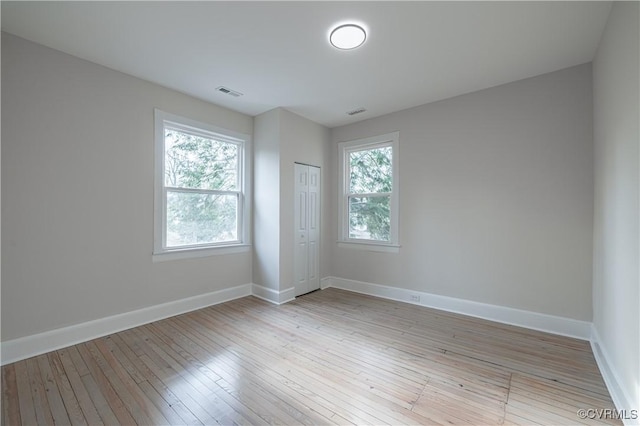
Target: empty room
point(320, 213)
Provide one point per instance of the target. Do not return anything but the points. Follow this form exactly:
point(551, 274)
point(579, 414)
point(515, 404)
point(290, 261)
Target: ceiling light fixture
point(347, 36)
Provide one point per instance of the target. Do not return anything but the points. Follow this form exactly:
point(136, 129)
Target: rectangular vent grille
point(228, 91)
point(356, 111)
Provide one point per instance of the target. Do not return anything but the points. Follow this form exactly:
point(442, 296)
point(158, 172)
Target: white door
point(307, 229)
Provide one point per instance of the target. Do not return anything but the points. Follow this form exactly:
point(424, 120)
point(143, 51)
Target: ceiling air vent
point(228, 91)
point(356, 111)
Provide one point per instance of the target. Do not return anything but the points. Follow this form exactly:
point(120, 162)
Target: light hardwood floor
point(329, 357)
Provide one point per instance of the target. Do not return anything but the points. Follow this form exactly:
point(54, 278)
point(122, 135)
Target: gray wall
point(281, 139)
point(77, 192)
point(496, 197)
point(496, 191)
point(266, 195)
point(303, 141)
point(616, 265)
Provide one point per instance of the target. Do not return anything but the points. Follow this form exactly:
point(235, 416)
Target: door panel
point(314, 228)
point(307, 229)
point(313, 266)
point(302, 206)
point(301, 251)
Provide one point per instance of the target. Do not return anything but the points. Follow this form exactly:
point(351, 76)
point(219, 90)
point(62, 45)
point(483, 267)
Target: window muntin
point(200, 193)
point(369, 190)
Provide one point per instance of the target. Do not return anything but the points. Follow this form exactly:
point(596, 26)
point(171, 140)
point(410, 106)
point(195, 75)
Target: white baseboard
point(26, 347)
point(273, 296)
point(29, 346)
point(621, 397)
point(532, 320)
point(583, 330)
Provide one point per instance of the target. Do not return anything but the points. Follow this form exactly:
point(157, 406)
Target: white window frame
point(161, 252)
point(344, 148)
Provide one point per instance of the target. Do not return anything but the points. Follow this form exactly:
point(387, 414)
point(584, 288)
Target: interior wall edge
point(273, 296)
point(562, 326)
point(37, 344)
point(621, 397)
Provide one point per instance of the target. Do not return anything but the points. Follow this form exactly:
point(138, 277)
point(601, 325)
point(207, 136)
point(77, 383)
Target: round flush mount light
point(347, 36)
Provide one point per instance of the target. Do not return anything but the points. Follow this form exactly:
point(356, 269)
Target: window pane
point(369, 218)
point(198, 162)
point(370, 171)
point(201, 218)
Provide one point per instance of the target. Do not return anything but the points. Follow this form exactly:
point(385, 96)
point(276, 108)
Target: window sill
point(385, 248)
point(193, 253)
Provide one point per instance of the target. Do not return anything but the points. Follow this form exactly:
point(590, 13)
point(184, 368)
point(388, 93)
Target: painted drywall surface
point(281, 139)
point(266, 190)
point(496, 197)
point(0, 190)
point(77, 188)
point(306, 142)
point(616, 276)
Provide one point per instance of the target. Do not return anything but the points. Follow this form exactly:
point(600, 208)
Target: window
point(369, 191)
point(200, 179)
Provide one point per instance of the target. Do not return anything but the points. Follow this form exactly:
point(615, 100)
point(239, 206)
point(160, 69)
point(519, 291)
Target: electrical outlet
point(415, 298)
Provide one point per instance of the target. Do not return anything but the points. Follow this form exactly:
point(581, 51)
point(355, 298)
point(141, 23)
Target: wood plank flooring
point(330, 357)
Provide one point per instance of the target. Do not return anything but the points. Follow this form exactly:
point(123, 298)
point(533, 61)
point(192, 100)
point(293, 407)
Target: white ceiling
point(277, 53)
